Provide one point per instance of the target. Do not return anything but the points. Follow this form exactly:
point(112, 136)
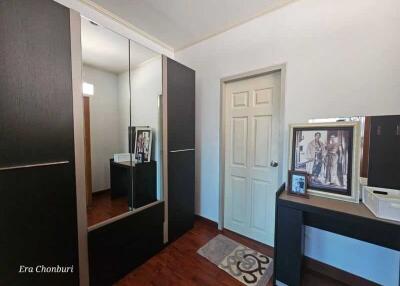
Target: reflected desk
point(144, 182)
point(348, 219)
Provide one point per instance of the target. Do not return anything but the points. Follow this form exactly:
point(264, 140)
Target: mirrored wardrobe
point(81, 121)
point(122, 85)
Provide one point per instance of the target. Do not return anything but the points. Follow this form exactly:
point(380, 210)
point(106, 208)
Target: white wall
point(104, 124)
point(146, 87)
point(124, 115)
point(342, 59)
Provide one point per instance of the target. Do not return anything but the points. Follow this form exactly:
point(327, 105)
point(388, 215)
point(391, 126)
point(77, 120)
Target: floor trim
point(206, 220)
point(100, 192)
point(215, 224)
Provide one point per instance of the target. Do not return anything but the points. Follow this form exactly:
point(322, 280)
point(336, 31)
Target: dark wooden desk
point(348, 219)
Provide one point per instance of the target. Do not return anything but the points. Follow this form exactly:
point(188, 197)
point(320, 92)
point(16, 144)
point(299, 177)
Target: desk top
point(359, 210)
point(125, 163)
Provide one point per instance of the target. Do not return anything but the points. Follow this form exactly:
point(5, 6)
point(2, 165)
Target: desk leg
point(289, 246)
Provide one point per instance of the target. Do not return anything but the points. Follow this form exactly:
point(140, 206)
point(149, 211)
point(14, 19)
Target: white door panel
point(251, 125)
point(238, 197)
point(239, 141)
point(262, 141)
point(258, 210)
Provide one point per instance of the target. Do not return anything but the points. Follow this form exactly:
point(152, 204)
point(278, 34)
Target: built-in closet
point(38, 214)
point(179, 131)
point(115, 248)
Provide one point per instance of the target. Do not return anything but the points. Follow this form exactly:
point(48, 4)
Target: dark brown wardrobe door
point(180, 84)
point(180, 193)
point(38, 204)
point(181, 106)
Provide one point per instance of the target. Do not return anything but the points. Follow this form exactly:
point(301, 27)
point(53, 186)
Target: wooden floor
point(103, 207)
point(179, 264)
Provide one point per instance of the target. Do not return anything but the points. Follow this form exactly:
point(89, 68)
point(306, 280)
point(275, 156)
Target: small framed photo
point(297, 184)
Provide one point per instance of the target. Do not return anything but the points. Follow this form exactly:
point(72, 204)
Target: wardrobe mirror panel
point(145, 132)
point(107, 119)
point(379, 152)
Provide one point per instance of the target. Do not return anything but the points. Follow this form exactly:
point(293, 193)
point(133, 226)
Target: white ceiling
point(109, 51)
point(180, 23)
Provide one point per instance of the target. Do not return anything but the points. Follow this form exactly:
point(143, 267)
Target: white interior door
point(251, 148)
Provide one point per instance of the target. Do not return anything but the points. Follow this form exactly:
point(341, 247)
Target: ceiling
point(104, 49)
point(180, 23)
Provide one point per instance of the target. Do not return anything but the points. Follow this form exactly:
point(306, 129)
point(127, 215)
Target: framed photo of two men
point(329, 154)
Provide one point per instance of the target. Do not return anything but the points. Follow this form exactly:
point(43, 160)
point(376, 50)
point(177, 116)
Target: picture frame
point(297, 183)
point(329, 153)
point(131, 138)
point(142, 145)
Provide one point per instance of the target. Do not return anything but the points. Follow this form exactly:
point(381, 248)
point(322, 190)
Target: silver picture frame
point(351, 193)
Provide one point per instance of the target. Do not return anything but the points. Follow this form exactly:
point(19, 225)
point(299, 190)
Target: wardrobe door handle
point(33, 165)
point(181, 150)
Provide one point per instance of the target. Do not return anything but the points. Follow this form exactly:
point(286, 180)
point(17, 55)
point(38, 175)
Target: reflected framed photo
point(297, 183)
point(142, 150)
point(329, 154)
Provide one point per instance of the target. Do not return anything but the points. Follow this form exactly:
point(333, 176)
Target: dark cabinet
point(144, 182)
point(144, 185)
point(117, 248)
point(384, 152)
point(120, 179)
point(37, 174)
point(179, 82)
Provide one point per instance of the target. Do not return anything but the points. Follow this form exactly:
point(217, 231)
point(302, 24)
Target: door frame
point(223, 82)
point(79, 147)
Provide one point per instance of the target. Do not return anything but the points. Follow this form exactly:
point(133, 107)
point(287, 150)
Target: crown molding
point(105, 18)
point(118, 19)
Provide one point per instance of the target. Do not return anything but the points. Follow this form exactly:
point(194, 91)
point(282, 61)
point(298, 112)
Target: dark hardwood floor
point(103, 207)
point(179, 264)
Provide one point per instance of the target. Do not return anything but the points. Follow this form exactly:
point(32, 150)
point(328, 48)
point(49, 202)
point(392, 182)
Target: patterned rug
point(244, 264)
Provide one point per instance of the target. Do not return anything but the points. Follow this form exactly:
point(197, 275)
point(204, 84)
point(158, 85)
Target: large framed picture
point(143, 137)
point(329, 154)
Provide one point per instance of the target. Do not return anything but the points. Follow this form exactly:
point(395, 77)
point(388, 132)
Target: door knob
point(274, 164)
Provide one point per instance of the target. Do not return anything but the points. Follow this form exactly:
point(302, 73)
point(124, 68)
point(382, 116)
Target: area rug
point(244, 264)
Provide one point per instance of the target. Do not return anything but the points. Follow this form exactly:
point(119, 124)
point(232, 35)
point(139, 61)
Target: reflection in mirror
point(380, 152)
point(145, 132)
point(122, 84)
point(105, 57)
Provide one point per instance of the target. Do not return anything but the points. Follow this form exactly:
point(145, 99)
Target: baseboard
point(315, 266)
point(100, 192)
point(336, 273)
point(206, 220)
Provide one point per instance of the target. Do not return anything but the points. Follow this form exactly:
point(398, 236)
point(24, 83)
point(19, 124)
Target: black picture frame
point(290, 189)
point(329, 129)
point(131, 135)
